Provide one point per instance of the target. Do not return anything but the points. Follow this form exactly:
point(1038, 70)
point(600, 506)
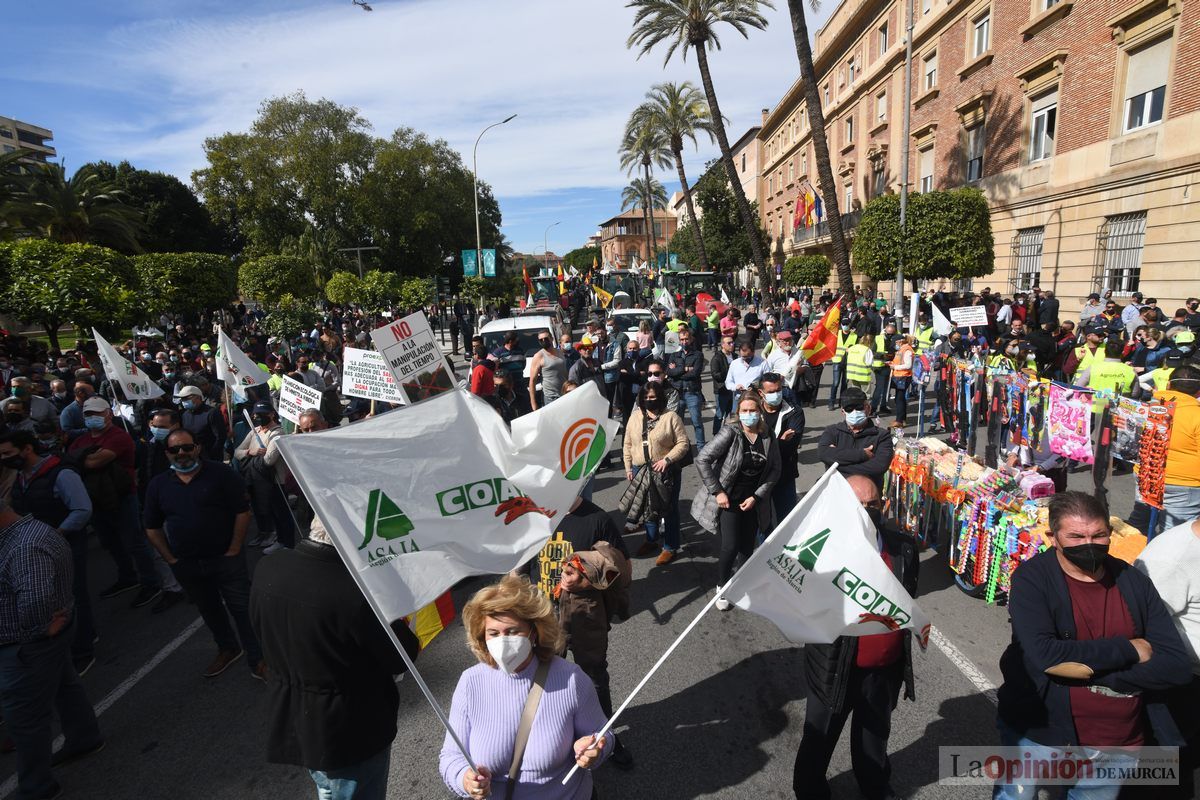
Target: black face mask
point(14, 419)
point(14, 462)
point(1088, 557)
point(261, 420)
point(876, 517)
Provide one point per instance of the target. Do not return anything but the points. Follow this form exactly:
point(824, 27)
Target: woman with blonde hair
point(739, 469)
point(524, 714)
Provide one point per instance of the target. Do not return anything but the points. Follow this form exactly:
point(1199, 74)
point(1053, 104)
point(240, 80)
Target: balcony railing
point(821, 229)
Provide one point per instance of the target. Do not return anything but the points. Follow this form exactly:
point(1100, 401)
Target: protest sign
point(1069, 423)
point(296, 397)
point(135, 384)
point(366, 374)
point(967, 316)
point(412, 354)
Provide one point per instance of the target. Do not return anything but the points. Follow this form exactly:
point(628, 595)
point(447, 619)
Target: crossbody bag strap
point(646, 439)
point(527, 714)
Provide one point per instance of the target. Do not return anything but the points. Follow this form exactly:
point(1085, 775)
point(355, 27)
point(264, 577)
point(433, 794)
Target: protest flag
point(135, 384)
point(428, 621)
point(664, 299)
point(604, 297)
point(725, 296)
point(235, 368)
point(941, 325)
point(821, 343)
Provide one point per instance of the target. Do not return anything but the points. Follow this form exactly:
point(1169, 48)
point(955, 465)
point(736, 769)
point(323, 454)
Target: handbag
point(633, 503)
point(527, 714)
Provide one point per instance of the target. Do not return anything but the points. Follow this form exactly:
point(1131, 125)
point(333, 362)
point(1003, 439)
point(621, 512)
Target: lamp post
point(475, 177)
point(546, 240)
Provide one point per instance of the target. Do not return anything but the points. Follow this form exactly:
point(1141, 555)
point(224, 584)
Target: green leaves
point(270, 277)
point(810, 271)
point(344, 289)
point(185, 282)
point(949, 236)
point(725, 240)
point(289, 315)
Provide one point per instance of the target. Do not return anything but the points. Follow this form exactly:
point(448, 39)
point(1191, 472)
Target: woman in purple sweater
point(511, 629)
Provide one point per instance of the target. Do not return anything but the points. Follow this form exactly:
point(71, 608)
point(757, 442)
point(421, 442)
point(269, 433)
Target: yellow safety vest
point(924, 339)
point(856, 363)
point(1161, 378)
point(845, 341)
point(676, 325)
point(1086, 357)
point(1113, 376)
point(881, 352)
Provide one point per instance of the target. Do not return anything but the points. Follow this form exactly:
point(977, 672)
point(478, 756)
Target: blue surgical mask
point(159, 434)
point(750, 419)
point(774, 398)
point(93, 423)
point(189, 404)
point(195, 465)
point(855, 418)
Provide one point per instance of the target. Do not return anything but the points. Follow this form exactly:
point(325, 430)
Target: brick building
point(1077, 118)
point(624, 236)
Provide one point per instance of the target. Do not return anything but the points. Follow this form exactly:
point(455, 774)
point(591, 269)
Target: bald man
point(860, 676)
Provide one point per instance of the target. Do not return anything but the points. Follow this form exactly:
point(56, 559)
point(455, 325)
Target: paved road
point(721, 720)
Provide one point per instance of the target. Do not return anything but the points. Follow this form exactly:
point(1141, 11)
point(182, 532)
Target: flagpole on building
point(721, 592)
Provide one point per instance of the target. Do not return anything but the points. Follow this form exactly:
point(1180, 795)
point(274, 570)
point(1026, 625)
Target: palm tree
point(84, 208)
point(679, 112)
point(640, 195)
point(691, 24)
point(642, 145)
point(816, 121)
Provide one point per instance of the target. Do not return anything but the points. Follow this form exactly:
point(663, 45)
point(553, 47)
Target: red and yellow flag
point(821, 343)
point(431, 620)
point(528, 283)
point(562, 280)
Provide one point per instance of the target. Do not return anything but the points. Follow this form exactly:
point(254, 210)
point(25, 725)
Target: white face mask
point(509, 652)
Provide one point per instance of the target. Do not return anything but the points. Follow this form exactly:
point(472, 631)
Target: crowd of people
point(176, 488)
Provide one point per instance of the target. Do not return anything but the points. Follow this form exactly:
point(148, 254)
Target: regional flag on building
point(820, 576)
point(421, 497)
point(821, 343)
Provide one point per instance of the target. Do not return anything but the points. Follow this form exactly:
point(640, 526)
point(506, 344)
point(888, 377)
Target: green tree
point(10, 189)
point(81, 209)
point(679, 112)
point(725, 238)
point(415, 293)
point(174, 220)
point(184, 282)
point(637, 195)
point(380, 289)
point(344, 289)
point(270, 277)
point(692, 25)
point(949, 236)
point(473, 288)
point(816, 123)
point(806, 271)
point(290, 315)
point(644, 144)
point(582, 258)
point(52, 284)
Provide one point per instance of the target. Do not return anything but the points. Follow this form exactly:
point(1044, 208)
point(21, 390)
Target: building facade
point(1077, 119)
point(623, 237)
point(15, 135)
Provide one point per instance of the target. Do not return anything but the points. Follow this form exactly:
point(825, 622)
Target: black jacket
point(838, 443)
point(686, 369)
point(331, 696)
point(827, 667)
point(1037, 705)
point(718, 369)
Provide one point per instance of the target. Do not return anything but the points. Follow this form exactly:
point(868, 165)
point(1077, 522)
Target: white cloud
point(446, 67)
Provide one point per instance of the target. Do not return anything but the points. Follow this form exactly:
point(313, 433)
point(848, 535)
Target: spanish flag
point(431, 620)
point(562, 280)
point(821, 343)
point(528, 283)
point(604, 297)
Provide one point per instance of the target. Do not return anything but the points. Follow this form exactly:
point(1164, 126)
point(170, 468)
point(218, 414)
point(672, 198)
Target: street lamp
point(475, 177)
point(545, 242)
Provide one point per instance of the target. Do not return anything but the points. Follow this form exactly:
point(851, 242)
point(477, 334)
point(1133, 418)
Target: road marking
point(10, 785)
point(964, 664)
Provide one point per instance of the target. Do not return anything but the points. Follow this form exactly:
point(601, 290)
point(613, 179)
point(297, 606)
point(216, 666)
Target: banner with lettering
point(411, 352)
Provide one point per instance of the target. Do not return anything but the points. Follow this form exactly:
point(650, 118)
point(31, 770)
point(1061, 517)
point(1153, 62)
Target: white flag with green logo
point(820, 575)
point(135, 384)
point(235, 367)
point(423, 496)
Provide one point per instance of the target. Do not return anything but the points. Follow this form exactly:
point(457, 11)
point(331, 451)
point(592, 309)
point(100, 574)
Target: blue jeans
point(125, 540)
point(724, 409)
point(217, 584)
point(783, 499)
point(695, 404)
point(880, 392)
point(1180, 504)
point(36, 679)
point(713, 338)
point(672, 539)
point(837, 384)
point(901, 385)
point(1084, 790)
point(366, 780)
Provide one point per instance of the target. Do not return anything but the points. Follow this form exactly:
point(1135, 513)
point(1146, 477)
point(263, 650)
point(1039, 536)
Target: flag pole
point(707, 607)
point(383, 620)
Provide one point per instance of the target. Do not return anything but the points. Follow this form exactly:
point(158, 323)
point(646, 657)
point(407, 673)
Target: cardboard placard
point(295, 398)
point(366, 374)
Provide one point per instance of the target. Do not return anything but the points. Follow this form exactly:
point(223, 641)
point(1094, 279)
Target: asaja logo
point(797, 560)
point(389, 524)
point(583, 445)
point(808, 551)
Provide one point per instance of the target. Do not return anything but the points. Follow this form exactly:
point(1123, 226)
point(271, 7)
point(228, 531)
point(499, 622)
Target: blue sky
point(148, 80)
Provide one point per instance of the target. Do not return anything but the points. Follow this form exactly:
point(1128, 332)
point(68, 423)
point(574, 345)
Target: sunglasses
point(653, 373)
point(176, 449)
point(854, 407)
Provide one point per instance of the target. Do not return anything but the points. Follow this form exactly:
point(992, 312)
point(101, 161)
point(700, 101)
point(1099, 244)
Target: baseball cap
point(95, 404)
point(191, 391)
point(853, 396)
point(205, 347)
point(263, 407)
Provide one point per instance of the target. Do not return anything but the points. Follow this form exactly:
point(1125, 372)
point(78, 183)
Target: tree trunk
point(816, 120)
point(687, 195)
point(648, 212)
point(735, 184)
point(52, 334)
